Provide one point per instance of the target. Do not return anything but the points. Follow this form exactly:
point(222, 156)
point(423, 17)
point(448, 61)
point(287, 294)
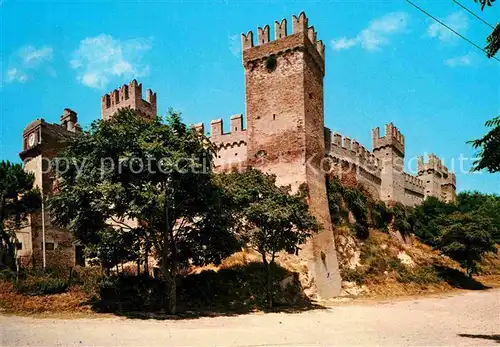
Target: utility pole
point(43, 219)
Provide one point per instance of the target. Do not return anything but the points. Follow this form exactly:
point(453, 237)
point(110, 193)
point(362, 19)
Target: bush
point(130, 293)
point(41, 285)
point(7, 275)
point(239, 288)
point(356, 274)
point(335, 201)
point(381, 215)
point(403, 218)
point(89, 278)
point(418, 274)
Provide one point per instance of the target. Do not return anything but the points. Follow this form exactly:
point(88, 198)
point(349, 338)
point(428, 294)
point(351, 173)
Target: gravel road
point(467, 319)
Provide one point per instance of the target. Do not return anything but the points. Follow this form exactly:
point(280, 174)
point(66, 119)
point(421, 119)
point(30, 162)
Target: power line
point(447, 27)
point(472, 13)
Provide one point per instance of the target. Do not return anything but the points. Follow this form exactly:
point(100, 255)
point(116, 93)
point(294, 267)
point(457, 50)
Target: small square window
point(19, 246)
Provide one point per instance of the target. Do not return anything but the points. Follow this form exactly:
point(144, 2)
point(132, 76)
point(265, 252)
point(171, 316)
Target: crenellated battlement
point(345, 148)
point(392, 138)
point(237, 135)
point(129, 96)
point(434, 164)
point(302, 35)
point(414, 181)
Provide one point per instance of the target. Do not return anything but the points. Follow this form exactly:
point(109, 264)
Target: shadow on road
point(458, 279)
point(494, 337)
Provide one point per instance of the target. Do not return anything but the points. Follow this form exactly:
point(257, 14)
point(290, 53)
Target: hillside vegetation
point(398, 250)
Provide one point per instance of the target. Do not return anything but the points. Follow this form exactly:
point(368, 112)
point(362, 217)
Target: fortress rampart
point(285, 135)
point(231, 146)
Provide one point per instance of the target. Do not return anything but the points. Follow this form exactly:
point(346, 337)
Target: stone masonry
point(285, 135)
point(41, 142)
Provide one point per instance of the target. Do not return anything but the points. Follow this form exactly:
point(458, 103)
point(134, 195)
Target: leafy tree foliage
point(367, 211)
point(487, 205)
point(485, 3)
point(272, 219)
point(426, 216)
point(403, 218)
point(465, 237)
point(464, 230)
point(18, 197)
point(115, 246)
point(334, 190)
point(493, 40)
point(489, 145)
point(151, 181)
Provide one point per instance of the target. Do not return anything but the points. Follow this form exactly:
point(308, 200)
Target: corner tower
point(285, 127)
point(129, 96)
point(438, 181)
point(390, 151)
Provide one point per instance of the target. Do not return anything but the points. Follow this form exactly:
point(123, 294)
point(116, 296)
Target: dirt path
point(469, 319)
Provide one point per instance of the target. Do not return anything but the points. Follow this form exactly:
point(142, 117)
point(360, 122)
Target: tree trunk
point(146, 258)
point(169, 278)
point(269, 281)
point(172, 294)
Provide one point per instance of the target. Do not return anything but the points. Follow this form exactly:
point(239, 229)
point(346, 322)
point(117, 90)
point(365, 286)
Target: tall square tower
point(285, 127)
point(129, 96)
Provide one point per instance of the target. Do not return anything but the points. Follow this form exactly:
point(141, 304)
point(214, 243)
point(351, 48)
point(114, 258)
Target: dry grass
point(384, 275)
point(72, 301)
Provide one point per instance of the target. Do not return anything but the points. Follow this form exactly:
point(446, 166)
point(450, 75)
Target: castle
point(285, 135)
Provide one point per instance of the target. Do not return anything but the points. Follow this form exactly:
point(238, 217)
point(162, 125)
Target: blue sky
point(385, 61)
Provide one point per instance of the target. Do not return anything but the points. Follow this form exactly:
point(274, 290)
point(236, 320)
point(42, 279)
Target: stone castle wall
point(285, 135)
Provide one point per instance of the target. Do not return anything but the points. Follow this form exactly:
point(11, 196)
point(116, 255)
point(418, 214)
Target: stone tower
point(41, 143)
point(285, 126)
point(437, 180)
point(390, 151)
point(129, 96)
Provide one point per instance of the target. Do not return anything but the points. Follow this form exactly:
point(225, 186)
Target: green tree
point(403, 218)
point(154, 173)
point(115, 246)
point(482, 204)
point(426, 216)
point(493, 40)
point(272, 219)
point(18, 197)
point(489, 148)
point(465, 237)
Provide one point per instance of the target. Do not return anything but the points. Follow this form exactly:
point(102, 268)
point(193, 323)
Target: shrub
point(239, 288)
point(403, 218)
point(41, 285)
point(130, 293)
point(418, 274)
point(335, 200)
point(89, 278)
point(356, 274)
point(6, 275)
point(381, 215)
